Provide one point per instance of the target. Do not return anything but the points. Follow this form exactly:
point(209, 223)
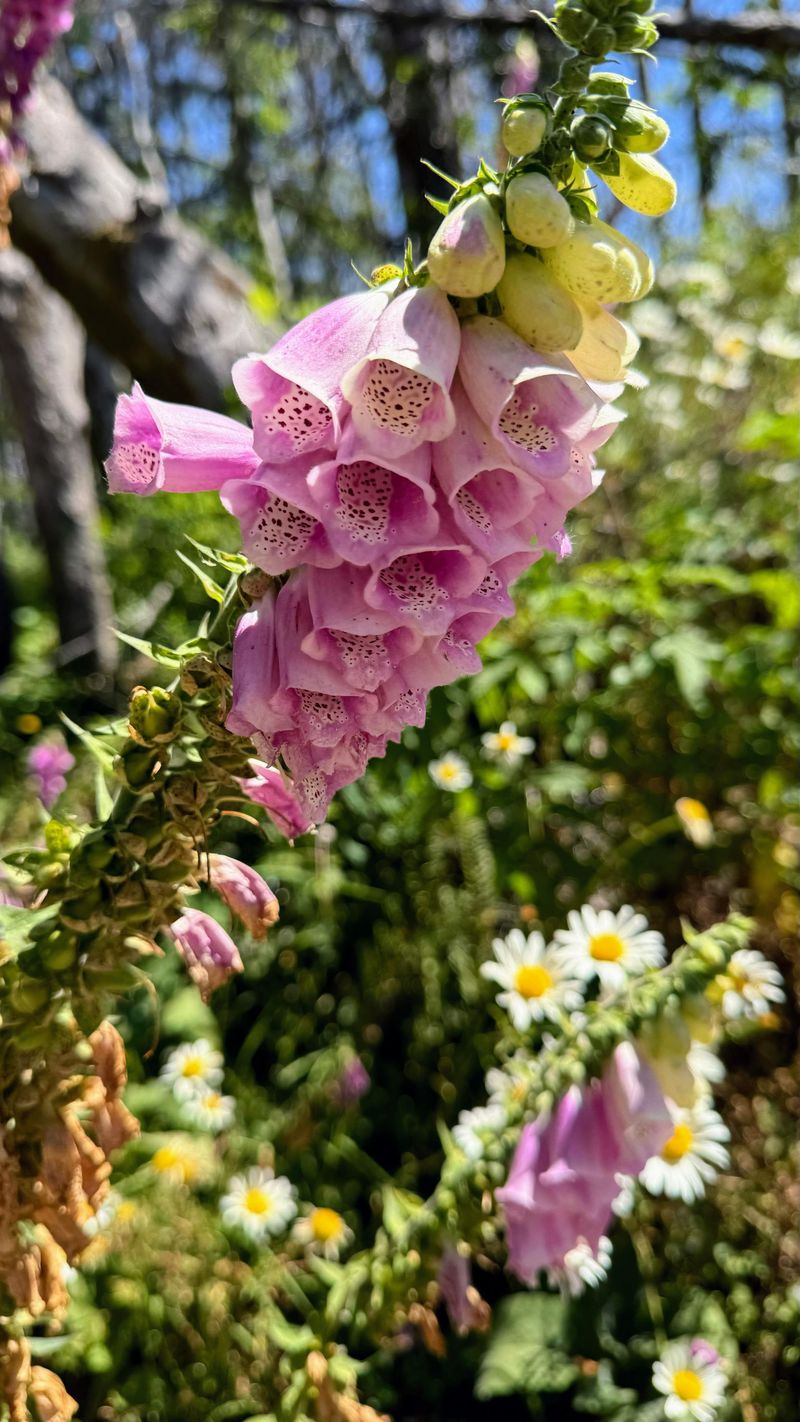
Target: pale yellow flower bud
point(523, 130)
point(468, 252)
point(654, 133)
point(606, 346)
point(536, 212)
point(594, 265)
point(642, 184)
point(537, 307)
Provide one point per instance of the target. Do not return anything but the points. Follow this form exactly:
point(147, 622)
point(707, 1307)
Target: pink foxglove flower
point(210, 954)
point(245, 892)
point(294, 391)
point(48, 764)
point(400, 390)
point(28, 31)
point(352, 1083)
point(562, 1181)
point(268, 788)
point(466, 1309)
point(178, 448)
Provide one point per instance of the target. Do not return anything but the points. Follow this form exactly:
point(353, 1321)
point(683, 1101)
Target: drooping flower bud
point(267, 787)
point(245, 892)
point(642, 184)
point(536, 212)
point(153, 713)
point(595, 264)
point(641, 129)
point(606, 345)
point(591, 137)
point(524, 129)
point(537, 306)
point(468, 252)
point(209, 953)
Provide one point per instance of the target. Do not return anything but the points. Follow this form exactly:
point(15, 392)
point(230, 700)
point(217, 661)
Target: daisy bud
point(642, 184)
point(523, 130)
point(209, 953)
point(245, 892)
point(537, 307)
point(536, 212)
point(468, 253)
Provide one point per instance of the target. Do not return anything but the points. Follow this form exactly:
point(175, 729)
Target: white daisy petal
point(536, 985)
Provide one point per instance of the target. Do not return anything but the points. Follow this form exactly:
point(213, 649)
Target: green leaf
point(101, 753)
point(399, 1207)
point(15, 927)
point(165, 656)
point(525, 1352)
point(692, 654)
point(103, 800)
point(210, 588)
point(437, 203)
point(532, 681)
point(291, 1337)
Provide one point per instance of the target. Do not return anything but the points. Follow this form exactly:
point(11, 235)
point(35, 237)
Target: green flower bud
point(643, 184)
point(650, 133)
point(524, 129)
point(536, 212)
point(59, 952)
point(574, 24)
point(154, 713)
point(137, 766)
point(468, 253)
point(28, 996)
point(537, 307)
point(96, 851)
point(633, 32)
point(591, 137)
point(607, 83)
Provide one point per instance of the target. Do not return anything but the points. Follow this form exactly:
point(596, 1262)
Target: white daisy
point(696, 821)
point(536, 983)
point(103, 1216)
point(505, 745)
point(610, 946)
point(706, 1068)
point(582, 1268)
point(259, 1203)
point(750, 985)
point(323, 1231)
point(691, 1158)
point(692, 1388)
point(450, 772)
point(192, 1069)
point(210, 1111)
point(775, 340)
point(475, 1126)
point(508, 1085)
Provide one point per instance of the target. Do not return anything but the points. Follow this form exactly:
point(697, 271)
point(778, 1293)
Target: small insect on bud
point(524, 129)
point(536, 212)
point(591, 137)
point(468, 253)
point(537, 307)
point(643, 184)
point(596, 264)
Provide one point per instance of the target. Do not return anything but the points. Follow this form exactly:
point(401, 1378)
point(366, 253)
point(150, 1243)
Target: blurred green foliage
point(658, 661)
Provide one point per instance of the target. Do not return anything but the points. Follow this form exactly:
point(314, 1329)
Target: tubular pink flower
point(179, 448)
point(268, 788)
point(276, 535)
point(400, 390)
point(293, 391)
point(465, 1308)
point(351, 1084)
point(255, 667)
point(48, 764)
point(210, 954)
point(536, 408)
point(245, 892)
point(562, 1180)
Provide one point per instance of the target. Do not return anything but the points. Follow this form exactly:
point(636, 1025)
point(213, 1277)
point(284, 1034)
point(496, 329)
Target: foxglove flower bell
point(403, 469)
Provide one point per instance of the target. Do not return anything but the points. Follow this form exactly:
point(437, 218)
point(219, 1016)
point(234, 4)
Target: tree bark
point(42, 352)
point(153, 292)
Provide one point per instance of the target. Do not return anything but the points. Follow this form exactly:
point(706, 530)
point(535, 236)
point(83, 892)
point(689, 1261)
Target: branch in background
point(152, 291)
point(764, 30)
point(42, 351)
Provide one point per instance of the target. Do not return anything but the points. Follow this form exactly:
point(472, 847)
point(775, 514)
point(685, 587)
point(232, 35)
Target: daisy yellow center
point(326, 1224)
point(734, 346)
point(257, 1201)
point(506, 740)
point(448, 771)
point(739, 980)
point(678, 1144)
point(126, 1211)
point(606, 947)
point(212, 1100)
point(687, 1385)
point(193, 1066)
point(166, 1159)
point(532, 981)
point(694, 810)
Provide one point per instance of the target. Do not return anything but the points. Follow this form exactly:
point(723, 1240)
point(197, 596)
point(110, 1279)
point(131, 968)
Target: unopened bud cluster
point(527, 244)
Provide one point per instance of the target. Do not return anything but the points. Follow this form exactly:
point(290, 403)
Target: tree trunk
point(153, 292)
point(42, 352)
